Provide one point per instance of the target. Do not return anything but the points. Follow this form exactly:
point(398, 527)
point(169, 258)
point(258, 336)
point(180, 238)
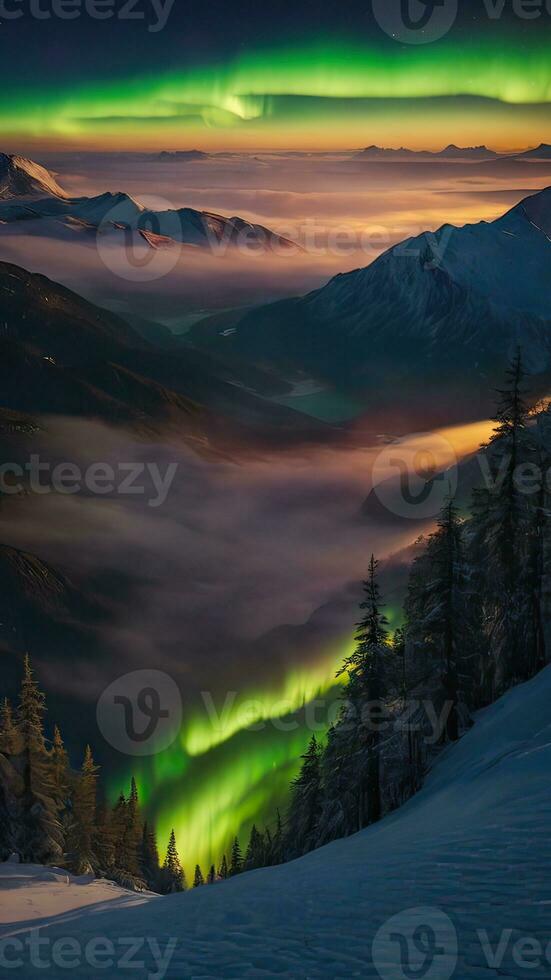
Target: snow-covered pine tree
point(119, 823)
point(104, 839)
point(82, 832)
point(39, 837)
point(61, 775)
point(198, 879)
point(211, 877)
point(8, 730)
point(10, 781)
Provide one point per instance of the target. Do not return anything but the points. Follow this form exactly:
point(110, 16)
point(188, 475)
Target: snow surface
point(32, 894)
point(472, 850)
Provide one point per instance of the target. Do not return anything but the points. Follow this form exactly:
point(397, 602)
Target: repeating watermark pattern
point(154, 14)
point(140, 713)
point(423, 943)
point(426, 21)
point(415, 21)
point(413, 481)
point(125, 953)
point(415, 715)
point(418, 942)
point(43, 477)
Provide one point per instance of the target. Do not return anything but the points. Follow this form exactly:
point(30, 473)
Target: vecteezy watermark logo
point(141, 712)
point(37, 952)
point(415, 21)
point(414, 478)
point(418, 943)
point(153, 12)
point(139, 242)
point(42, 477)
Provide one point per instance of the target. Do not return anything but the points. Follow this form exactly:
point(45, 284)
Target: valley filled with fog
point(241, 580)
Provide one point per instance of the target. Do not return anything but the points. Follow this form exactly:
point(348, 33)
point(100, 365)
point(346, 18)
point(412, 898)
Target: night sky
point(243, 75)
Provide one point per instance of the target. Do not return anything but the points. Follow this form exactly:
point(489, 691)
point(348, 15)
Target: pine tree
point(61, 774)
point(236, 863)
point(438, 611)
point(198, 879)
point(255, 854)
point(8, 730)
point(211, 877)
point(173, 877)
point(104, 839)
point(40, 837)
point(365, 692)
point(306, 803)
point(32, 707)
point(150, 857)
point(119, 823)
point(8, 805)
point(399, 663)
point(83, 829)
point(275, 843)
point(223, 871)
point(132, 842)
point(503, 536)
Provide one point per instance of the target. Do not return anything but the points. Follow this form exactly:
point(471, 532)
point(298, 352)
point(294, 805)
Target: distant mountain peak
point(182, 155)
point(451, 151)
point(541, 152)
point(20, 177)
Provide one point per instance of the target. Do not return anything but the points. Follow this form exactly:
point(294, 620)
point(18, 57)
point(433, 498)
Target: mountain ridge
point(28, 192)
point(431, 323)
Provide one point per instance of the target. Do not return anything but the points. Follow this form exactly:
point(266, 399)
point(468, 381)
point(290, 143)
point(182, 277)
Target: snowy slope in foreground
point(33, 895)
point(474, 845)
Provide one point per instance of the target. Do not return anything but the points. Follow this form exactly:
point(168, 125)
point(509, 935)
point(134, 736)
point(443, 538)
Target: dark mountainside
point(63, 355)
point(422, 335)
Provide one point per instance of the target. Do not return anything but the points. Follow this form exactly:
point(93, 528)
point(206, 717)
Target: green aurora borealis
point(234, 760)
point(314, 95)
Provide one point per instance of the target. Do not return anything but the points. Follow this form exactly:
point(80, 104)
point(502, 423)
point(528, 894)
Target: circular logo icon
point(138, 242)
point(140, 713)
point(415, 21)
point(414, 477)
point(419, 942)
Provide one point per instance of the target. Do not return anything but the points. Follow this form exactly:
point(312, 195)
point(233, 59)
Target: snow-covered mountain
point(436, 315)
point(29, 193)
point(460, 873)
point(22, 178)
